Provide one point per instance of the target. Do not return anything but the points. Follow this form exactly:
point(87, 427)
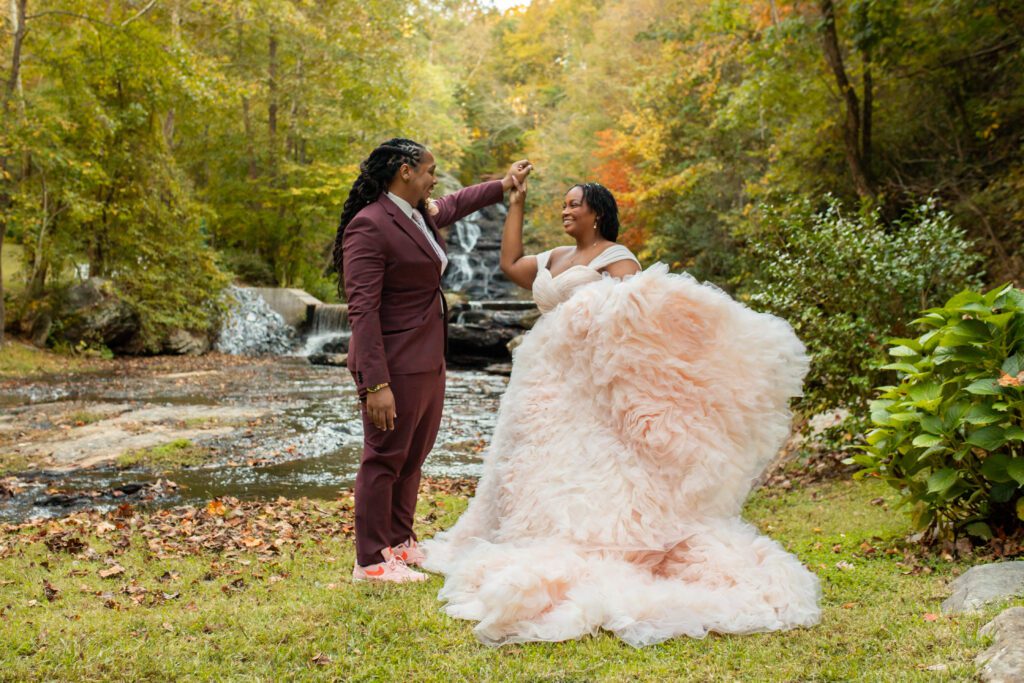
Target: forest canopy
point(173, 145)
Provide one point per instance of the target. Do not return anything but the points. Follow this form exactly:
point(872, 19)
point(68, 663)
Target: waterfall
point(469, 306)
point(474, 250)
point(252, 328)
point(467, 232)
point(328, 331)
point(459, 273)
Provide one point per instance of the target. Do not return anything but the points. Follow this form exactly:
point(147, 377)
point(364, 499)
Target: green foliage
point(844, 280)
point(235, 128)
point(950, 435)
point(702, 112)
point(146, 143)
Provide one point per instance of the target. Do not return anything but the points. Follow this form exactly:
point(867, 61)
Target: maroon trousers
point(389, 474)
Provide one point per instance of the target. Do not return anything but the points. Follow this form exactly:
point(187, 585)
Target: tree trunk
point(250, 147)
point(176, 22)
point(852, 123)
point(176, 42)
point(272, 104)
point(37, 281)
point(3, 307)
point(13, 87)
point(17, 16)
point(865, 133)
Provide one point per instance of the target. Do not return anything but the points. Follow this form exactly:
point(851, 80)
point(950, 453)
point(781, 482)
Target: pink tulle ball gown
point(637, 417)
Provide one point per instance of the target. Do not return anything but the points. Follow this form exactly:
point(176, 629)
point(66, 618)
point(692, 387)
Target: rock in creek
point(132, 491)
point(478, 337)
point(336, 359)
point(186, 343)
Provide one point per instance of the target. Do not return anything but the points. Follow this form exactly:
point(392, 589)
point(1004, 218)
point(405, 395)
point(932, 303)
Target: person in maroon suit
point(390, 257)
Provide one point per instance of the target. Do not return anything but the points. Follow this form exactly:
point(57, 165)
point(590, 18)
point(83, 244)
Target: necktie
point(417, 218)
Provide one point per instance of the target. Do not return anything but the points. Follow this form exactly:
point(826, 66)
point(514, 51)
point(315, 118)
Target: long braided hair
point(375, 174)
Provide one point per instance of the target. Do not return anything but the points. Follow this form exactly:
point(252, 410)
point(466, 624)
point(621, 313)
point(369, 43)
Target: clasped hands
point(515, 180)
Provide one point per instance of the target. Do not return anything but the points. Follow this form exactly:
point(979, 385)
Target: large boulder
point(479, 336)
point(93, 312)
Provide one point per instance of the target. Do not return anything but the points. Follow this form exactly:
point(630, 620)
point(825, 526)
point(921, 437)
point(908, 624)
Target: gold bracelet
point(375, 388)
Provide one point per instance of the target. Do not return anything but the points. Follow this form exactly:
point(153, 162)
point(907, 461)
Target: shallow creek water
point(280, 427)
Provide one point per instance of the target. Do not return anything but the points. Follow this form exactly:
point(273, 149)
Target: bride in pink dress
point(641, 407)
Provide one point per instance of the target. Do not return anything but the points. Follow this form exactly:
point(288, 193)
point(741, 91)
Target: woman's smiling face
point(577, 217)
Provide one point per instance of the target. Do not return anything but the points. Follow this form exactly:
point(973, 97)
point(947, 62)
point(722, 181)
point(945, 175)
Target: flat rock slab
point(984, 584)
point(1003, 662)
point(126, 427)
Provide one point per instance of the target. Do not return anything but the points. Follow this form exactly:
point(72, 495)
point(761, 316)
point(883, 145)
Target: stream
point(279, 426)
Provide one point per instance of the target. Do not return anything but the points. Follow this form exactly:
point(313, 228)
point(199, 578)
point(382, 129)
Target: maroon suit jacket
point(393, 286)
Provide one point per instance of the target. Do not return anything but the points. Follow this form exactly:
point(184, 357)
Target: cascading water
point(252, 328)
point(328, 331)
point(474, 251)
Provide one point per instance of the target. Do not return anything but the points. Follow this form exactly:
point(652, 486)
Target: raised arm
point(456, 205)
point(518, 268)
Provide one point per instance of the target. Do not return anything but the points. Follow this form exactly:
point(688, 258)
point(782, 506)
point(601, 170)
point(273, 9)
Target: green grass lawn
point(18, 360)
point(248, 612)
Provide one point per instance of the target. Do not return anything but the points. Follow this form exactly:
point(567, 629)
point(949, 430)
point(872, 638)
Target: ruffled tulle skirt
point(637, 416)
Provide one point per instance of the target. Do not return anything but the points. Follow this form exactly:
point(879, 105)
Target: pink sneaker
point(410, 553)
point(392, 569)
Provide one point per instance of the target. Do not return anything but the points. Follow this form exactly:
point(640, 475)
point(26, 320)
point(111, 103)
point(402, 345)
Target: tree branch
point(74, 15)
point(140, 13)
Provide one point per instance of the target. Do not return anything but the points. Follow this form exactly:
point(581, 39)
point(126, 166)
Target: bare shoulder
point(618, 261)
point(622, 268)
point(557, 254)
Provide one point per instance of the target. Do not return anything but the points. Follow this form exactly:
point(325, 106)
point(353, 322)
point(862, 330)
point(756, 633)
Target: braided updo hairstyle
point(601, 202)
point(375, 174)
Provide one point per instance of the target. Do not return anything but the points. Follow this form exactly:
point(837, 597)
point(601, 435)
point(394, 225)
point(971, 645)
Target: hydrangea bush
point(950, 435)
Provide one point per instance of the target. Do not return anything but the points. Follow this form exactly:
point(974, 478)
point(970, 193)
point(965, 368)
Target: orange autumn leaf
point(215, 507)
point(931, 617)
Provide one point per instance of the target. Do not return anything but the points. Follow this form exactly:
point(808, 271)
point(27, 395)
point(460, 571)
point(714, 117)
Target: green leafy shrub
point(846, 280)
point(950, 435)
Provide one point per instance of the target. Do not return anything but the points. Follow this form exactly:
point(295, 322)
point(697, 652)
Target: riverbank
point(19, 361)
point(261, 591)
point(104, 432)
point(70, 412)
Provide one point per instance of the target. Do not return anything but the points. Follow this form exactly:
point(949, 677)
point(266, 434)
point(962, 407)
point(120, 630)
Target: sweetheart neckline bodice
point(578, 265)
point(548, 293)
